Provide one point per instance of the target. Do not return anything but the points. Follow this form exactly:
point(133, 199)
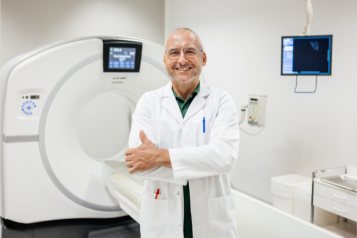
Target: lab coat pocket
point(153, 195)
point(154, 217)
point(205, 134)
point(222, 217)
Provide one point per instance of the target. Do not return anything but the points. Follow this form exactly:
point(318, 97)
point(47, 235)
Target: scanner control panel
point(29, 104)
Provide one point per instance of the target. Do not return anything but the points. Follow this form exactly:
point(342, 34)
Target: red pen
point(157, 193)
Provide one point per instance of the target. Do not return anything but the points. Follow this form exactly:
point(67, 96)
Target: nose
point(182, 59)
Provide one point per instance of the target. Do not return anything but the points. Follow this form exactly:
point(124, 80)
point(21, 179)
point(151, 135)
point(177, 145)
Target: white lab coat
point(203, 159)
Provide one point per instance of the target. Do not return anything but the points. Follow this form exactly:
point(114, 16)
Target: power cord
point(251, 134)
point(305, 92)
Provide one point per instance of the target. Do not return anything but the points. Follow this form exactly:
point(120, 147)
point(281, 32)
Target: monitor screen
point(121, 58)
point(306, 55)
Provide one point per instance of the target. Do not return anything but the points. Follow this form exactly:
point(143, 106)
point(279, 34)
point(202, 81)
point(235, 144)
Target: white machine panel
point(29, 105)
point(38, 75)
point(256, 109)
point(62, 117)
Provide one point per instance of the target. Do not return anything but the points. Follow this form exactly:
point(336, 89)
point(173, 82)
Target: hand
point(144, 157)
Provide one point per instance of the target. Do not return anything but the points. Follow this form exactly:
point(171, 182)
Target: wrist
point(163, 158)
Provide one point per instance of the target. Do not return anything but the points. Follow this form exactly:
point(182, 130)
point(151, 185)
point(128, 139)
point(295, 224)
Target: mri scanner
point(66, 109)
point(65, 119)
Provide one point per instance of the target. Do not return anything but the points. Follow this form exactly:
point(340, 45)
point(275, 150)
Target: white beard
point(172, 76)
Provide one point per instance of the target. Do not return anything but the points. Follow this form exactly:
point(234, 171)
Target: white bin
point(282, 191)
point(302, 200)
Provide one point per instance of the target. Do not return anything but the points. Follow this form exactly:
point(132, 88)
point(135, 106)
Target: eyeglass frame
point(184, 50)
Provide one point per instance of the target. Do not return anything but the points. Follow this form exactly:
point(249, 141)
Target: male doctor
point(184, 143)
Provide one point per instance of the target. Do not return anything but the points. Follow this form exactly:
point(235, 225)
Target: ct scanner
point(65, 110)
point(65, 120)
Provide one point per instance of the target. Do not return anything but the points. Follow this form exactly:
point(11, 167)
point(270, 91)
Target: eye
point(191, 51)
point(172, 53)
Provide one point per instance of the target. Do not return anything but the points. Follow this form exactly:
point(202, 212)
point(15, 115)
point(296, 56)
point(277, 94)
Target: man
point(184, 143)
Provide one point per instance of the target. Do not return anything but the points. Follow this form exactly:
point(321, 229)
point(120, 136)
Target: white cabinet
point(336, 200)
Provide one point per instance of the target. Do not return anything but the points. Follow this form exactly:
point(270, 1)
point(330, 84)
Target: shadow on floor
point(124, 227)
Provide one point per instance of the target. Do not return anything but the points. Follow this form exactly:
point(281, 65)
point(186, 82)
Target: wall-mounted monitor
point(121, 56)
point(306, 55)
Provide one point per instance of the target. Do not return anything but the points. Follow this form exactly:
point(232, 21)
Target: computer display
point(121, 58)
point(306, 55)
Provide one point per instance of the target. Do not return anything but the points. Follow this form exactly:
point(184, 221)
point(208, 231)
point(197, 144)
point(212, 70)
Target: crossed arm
point(177, 165)
point(146, 156)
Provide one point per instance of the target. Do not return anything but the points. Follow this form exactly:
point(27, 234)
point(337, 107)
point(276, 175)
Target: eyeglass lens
point(189, 53)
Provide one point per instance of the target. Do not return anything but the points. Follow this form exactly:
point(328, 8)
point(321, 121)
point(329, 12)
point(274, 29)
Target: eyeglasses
point(189, 53)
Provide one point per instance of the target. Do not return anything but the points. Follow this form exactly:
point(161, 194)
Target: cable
point(305, 92)
point(310, 15)
point(251, 133)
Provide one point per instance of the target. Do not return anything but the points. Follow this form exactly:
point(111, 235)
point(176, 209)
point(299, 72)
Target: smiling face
point(183, 69)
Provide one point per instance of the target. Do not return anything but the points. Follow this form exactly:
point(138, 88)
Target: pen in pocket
point(157, 193)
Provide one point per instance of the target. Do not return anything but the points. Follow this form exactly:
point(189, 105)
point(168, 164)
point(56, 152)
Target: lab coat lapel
point(198, 102)
point(170, 104)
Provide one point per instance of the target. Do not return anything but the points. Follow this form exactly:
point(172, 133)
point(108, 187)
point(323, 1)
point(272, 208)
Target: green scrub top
point(187, 220)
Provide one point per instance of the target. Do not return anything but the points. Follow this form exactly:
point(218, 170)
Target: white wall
point(242, 40)
point(28, 24)
point(243, 43)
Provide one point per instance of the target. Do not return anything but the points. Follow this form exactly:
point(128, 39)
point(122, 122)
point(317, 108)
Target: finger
point(143, 137)
point(132, 170)
point(130, 164)
point(129, 151)
point(128, 158)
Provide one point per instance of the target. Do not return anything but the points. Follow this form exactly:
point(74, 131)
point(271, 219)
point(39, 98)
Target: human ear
point(204, 59)
point(164, 62)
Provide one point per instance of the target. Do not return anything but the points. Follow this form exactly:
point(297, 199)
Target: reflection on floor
point(344, 229)
point(76, 228)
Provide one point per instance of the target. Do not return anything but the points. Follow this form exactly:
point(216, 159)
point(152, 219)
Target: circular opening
point(104, 125)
